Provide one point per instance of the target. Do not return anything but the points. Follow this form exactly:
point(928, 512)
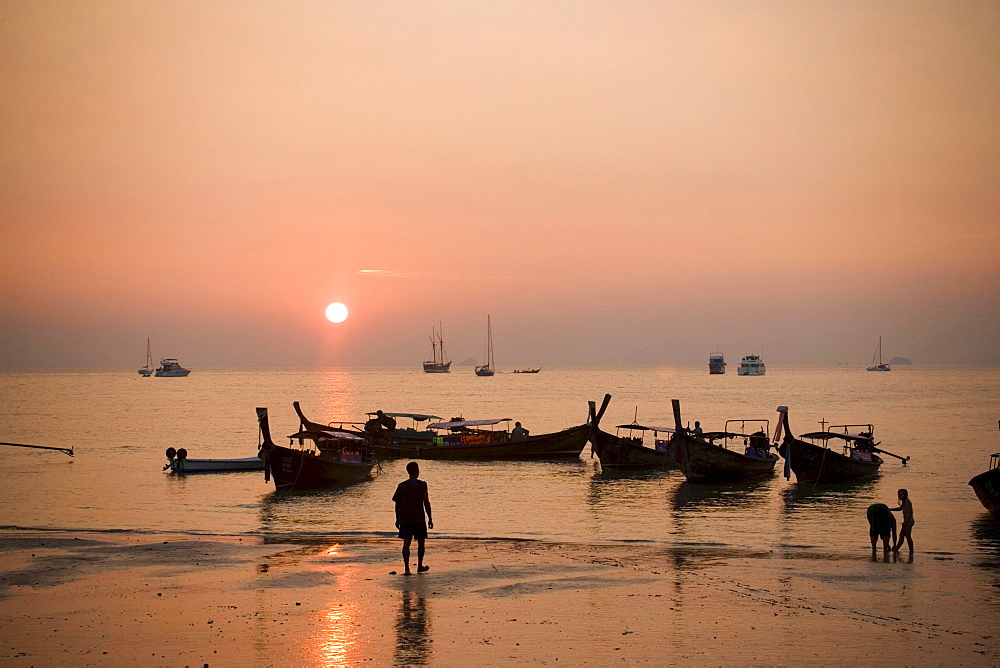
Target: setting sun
point(336, 312)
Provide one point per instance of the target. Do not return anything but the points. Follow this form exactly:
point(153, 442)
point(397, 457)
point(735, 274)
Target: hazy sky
point(613, 182)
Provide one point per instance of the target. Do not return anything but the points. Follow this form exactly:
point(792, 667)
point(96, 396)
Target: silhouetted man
point(411, 502)
point(518, 433)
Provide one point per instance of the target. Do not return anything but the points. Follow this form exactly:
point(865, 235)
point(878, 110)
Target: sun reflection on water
point(335, 641)
point(338, 401)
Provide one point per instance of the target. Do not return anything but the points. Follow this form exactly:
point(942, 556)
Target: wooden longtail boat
point(815, 461)
point(468, 440)
point(617, 452)
point(340, 458)
point(987, 485)
point(702, 460)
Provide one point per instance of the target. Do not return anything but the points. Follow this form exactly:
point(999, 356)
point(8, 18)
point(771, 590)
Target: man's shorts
point(418, 531)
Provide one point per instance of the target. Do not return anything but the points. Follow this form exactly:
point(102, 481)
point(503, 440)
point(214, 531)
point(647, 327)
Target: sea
point(945, 419)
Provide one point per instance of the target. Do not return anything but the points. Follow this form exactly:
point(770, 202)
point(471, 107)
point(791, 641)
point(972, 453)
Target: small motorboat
point(179, 462)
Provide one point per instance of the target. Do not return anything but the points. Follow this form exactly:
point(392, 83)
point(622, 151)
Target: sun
point(336, 312)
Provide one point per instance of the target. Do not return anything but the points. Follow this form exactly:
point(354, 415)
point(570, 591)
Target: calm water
point(120, 424)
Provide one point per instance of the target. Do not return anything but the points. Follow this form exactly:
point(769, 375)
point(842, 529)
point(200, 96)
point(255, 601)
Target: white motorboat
point(178, 462)
point(171, 368)
point(752, 365)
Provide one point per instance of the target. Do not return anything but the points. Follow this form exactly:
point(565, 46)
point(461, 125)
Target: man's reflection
point(412, 643)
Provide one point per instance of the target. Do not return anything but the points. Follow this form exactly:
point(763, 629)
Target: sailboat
point(439, 362)
point(487, 369)
point(879, 365)
point(147, 370)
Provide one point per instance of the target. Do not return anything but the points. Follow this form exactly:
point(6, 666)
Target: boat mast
point(489, 343)
point(441, 339)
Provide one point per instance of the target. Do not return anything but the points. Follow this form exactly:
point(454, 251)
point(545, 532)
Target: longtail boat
point(617, 452)
point(340, 457)
point(702, 459)
point(987, 485)
point(460, 439)
point(813, 460)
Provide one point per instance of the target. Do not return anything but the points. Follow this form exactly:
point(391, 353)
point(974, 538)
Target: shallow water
point(944, 418)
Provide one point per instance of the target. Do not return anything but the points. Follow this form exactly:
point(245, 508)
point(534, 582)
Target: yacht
point(877, 363)
point(171, 368)
point(716, 363)
point(752, 365)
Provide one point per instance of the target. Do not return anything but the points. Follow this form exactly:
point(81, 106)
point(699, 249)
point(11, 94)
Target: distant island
point(900, 360)
point(468, 361)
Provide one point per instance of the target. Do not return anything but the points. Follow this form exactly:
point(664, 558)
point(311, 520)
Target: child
point(907, 507)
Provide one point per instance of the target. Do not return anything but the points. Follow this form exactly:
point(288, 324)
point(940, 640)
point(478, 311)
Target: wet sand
point(80, 599)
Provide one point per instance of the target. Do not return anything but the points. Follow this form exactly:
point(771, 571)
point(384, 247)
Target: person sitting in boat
point(518, 433)
point(861, 454)
point(698, 431)
point(758, 446)
point(379, 422)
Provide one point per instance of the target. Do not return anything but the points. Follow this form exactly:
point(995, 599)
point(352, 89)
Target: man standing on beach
point(411, 502)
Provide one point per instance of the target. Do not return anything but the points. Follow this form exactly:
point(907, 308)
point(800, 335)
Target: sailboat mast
point(441, 339)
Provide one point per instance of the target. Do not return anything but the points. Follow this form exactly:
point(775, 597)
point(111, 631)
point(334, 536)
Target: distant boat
point(439, 362)
point(171, 368)
point(987, 485)
point(528, 370)
point(488, 368)
point(752, 365)
point(716, 363)
point(147, 370)
point(877, 364)
point(178, 462)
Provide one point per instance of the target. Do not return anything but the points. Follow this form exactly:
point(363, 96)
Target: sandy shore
point(79, 599)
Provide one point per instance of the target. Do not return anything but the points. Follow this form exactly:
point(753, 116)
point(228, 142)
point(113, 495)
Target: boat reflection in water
point(724, 515)
point(412, 628)
point(696, 497)
point(832, 496)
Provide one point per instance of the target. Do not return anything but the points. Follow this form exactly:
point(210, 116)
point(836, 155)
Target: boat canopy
point(419, 417)
point(640, 427)
point(465, 423)
point(826, 435)
point(316, 434)
point(712, 435)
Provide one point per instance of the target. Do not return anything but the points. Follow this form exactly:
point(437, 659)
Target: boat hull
point(436, 367)
point(814, 463)
point(484, 372)
point(216, 465)
point(616, 453)
point(562, 445)
point(704, 462)
point(987, 488)
point(172, 373)
point(299, 469)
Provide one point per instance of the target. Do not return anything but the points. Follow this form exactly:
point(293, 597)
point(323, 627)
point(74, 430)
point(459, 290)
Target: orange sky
point(614, 182)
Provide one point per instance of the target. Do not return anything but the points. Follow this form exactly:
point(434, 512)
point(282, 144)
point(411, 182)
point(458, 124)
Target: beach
point(79, 598)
